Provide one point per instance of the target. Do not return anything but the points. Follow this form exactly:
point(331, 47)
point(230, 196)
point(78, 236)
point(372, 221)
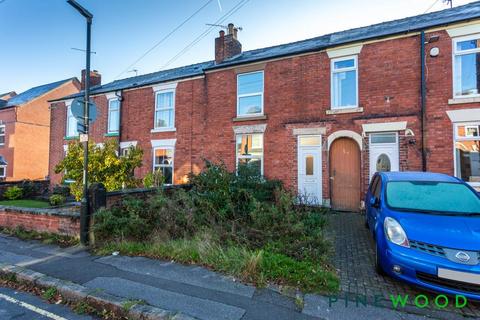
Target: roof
point(384, 29)
point(3, 103)
point(33, 93)
point(418, 176)
point(2, 95)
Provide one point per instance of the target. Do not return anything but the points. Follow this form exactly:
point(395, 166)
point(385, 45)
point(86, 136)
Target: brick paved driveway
point(354, 258)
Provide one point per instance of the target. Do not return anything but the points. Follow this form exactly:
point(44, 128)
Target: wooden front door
point(345, 175)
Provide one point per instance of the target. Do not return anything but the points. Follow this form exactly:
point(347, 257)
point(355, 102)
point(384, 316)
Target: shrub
point(153, 179)
point(13, 193)
point(61, 190)
point(57, 199)
point(104, 165)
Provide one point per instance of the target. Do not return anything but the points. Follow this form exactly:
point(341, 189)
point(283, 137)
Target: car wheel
point(378, 266)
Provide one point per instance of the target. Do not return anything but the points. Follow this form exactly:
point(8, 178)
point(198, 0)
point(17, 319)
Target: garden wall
point(64, 221)
point(115, 197)
point(35, 188)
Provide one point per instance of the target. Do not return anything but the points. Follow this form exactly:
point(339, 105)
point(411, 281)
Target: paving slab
point(319, 306)
point(199, 308)
point(192, 275)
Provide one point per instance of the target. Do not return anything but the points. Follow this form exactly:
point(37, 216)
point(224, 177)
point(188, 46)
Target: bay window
point(466, 66)
point(467, 152)
point(344, 82)
point(250, 94)
point(250, 151)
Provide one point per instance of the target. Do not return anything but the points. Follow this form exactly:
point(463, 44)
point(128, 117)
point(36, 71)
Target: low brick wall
point(33, 188)
point(65, 221)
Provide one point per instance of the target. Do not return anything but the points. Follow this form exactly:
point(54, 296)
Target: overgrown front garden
point(238, 224)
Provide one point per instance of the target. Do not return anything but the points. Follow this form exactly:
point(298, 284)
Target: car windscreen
point(432, 197)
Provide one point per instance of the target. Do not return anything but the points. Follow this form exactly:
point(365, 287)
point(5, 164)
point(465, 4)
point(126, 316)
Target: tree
point(104, 165)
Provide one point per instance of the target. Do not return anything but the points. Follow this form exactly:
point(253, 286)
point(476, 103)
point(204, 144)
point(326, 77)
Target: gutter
point(423, 100)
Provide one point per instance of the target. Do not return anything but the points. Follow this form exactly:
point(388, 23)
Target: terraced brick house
point(25, 130)
point(321, 114)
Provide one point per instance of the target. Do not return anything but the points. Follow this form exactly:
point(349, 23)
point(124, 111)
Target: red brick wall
point(40, 221)
point(296, 95)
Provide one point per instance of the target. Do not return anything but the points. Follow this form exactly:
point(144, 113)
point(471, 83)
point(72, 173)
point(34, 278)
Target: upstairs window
point(165, 109)
point(344, 82)
point(2, 135)
point(113, 115)
point(250, 94)
point(72, 130)
point(250, 151)
point(466, 66)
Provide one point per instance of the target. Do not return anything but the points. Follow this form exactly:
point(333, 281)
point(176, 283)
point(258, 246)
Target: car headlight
point(395, 233)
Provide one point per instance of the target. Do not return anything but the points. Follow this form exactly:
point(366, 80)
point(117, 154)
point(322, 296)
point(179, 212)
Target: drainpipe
point(120, 100)
point(423, 100)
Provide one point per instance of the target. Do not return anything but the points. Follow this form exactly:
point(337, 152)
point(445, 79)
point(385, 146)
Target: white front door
point(310, 169)
point(384, 153)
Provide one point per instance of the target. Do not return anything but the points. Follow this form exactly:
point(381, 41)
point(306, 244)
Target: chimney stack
point(95, 78)
point(227, 45)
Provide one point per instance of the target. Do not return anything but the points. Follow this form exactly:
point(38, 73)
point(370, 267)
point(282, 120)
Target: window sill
point(464, 100)
point(249, 118)
point(344, 110)
point(71, 138)
point(163, 130)
point(113, 134)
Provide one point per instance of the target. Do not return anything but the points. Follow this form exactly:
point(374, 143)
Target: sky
point(37, 37)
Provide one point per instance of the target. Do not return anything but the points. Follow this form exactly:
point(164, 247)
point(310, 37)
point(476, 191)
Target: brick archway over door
point(345, 174)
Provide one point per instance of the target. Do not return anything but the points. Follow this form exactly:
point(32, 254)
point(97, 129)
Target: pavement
point(191, 290)
point(24, 306)
point(354, 259)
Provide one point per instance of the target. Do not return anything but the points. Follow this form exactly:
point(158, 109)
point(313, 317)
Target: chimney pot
point(230, 28)
point(222, 33)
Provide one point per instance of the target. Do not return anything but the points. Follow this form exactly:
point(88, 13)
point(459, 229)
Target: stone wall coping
point(61, 212)
point(146, 190)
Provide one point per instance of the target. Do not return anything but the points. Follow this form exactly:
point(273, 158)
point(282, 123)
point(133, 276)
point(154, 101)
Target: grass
point(45, 237)
point(255, 266)
point(25, 203)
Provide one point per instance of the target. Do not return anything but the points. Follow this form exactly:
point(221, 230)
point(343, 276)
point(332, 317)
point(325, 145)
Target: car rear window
point(432, 197)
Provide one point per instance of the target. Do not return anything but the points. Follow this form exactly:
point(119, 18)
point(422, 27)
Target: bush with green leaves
point(57, 199)
point(104, 165)
point(154, 179)
point(13, 193)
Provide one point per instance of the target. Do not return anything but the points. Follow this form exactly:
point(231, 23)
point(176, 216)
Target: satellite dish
point(77, 109)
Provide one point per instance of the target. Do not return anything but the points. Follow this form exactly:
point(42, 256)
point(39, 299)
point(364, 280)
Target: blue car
point(426, 228)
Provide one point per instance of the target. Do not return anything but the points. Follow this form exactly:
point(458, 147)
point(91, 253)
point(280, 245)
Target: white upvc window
point(250, 94)
point(467, 152)
point(113, 115)
point(250, 150)
point(2, 134)
point(164, 110)
point(72, 129)
point(466, 66)
point(163, 160)
point(344, 82)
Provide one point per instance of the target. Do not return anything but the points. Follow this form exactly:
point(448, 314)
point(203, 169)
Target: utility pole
point(84, 210)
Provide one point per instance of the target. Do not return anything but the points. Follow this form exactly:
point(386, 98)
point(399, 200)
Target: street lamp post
point(84, 211)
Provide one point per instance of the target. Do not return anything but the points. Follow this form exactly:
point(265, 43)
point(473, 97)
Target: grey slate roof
point(33, 93)
point(395, 27)
point(3, 103)
point(6, 94)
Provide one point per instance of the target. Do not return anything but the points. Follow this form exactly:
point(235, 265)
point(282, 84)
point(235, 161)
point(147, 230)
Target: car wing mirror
point(375, 202)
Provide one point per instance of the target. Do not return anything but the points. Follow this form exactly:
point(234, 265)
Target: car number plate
point(466, 277)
